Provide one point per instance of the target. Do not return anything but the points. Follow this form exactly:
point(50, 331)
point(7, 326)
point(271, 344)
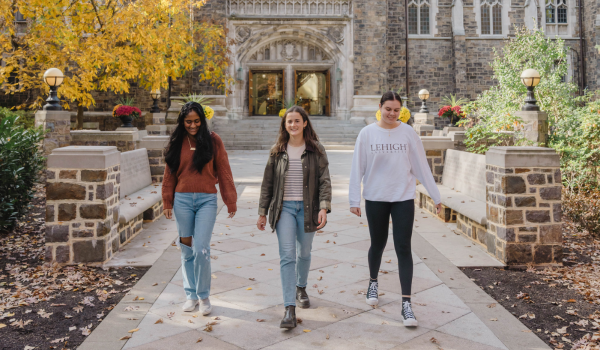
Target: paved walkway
point(453, 312)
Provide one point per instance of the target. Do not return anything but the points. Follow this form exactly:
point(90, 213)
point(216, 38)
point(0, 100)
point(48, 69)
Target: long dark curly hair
point(204, 145)
point(310, 136)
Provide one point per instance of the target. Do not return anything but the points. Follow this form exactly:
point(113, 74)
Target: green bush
point(21, 161)
point(492, 114)
point(26, 118)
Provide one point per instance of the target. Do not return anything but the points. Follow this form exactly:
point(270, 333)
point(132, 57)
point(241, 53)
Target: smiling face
point(192, 123)
point(390, 110)
point(294, 124)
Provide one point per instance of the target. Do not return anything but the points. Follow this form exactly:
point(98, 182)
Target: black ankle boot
point(302, 298)
point(289, 318)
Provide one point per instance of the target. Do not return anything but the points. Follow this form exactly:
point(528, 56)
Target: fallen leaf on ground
point(160, 320)
point(125, 337)
point(433, 340)
point(306, 330)
point(492, 305)
point(493, 319)
point(133, 330)
point(260, 320)
point(249, 288)
point(199, 340)
point(327, 336)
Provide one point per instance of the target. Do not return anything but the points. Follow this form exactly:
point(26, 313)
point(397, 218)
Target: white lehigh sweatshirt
point(388, 162)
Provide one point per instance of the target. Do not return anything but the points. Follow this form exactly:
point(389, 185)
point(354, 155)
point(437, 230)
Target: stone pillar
point(458, 137)
point(524, 211)
point(155, 145)
point(156, 118)
point(57, 125)
point(82, 204)
point(424, 124)
point(534, 127)
point(435, 150)
point(124, 140)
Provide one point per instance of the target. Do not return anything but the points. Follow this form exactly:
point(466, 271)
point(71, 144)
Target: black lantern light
point(53, 77)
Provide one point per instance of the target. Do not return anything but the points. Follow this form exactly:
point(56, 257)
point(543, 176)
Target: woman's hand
point(322, 218)
point(168, 213)
point(356, 211)
point(262, 222)
point(231, 215)
point(438, 207)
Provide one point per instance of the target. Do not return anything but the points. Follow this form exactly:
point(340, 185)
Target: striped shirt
point(292, 189)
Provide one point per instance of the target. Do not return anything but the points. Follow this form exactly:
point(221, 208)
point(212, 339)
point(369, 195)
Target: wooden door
point(250, 93)
point(328, 93)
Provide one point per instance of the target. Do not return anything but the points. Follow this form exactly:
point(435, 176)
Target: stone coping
point(154, 142)
point(528, 157)
point(84, 157)
point(437, 142)
point(97, 135)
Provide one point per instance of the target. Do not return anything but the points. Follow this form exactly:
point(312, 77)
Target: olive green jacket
point(316, 182)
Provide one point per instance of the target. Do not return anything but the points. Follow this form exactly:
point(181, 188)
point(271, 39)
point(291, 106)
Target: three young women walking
point(388, 158)
point(296, 194)
point(196, 160)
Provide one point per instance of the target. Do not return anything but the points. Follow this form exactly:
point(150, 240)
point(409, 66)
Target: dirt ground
point(46, 307)
point(560, 305)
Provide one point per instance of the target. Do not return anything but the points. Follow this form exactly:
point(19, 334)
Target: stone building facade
point(336, 56)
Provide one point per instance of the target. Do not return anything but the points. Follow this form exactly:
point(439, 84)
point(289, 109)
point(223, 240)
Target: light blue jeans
point(195, 215)
point(294, 249)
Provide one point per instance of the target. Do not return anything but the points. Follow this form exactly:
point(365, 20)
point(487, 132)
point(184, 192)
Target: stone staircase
point(260, 133)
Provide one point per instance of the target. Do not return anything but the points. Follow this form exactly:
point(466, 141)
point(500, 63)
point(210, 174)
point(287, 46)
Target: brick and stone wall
point(435, 150)
point(82, 204)
point(155, 145)
point(524, 205)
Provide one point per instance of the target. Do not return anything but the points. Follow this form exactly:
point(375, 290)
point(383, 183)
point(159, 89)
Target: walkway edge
point(511, 332)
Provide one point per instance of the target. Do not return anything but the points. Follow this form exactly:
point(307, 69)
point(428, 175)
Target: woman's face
point(390, 110)
point(192, 123)
point(294, 124)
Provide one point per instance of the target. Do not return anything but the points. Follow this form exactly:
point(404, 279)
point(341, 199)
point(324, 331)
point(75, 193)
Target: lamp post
point(530, 78)
point(155, 94)
point(424, 96)
point(53, 77)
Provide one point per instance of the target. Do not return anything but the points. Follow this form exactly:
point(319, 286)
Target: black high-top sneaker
point(302, 298)
point(289, 318)
point(408, 315)
point(372, 293)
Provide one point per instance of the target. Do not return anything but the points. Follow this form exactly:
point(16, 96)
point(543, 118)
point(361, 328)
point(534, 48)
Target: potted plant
point(453, 109)
point(203, 101)
point(287, 105)
point(126, 112)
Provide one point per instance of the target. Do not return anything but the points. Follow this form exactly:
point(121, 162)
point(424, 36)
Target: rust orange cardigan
point(187, 179)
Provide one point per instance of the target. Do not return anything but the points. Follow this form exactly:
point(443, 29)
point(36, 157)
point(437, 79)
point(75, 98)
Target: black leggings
point(403, 216)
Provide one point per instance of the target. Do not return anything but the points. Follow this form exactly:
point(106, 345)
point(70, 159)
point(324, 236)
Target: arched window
point(418, 17)
point(556, 17)
point(491, 17)
point(267, 54)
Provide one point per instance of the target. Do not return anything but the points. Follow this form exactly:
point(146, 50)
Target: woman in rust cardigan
point(196, 160)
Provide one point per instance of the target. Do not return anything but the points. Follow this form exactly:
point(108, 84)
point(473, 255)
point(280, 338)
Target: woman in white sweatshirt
point(388, 158)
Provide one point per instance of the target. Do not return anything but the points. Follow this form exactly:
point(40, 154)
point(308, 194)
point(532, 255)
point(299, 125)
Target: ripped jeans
point(195, 215)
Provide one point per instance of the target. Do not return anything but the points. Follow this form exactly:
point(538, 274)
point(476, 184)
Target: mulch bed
point(560, 305)
point(50, 307)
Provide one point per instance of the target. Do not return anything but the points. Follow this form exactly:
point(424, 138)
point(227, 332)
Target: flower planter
point(126, 120)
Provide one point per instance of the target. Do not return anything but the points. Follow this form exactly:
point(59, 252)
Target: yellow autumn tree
point(105, 45)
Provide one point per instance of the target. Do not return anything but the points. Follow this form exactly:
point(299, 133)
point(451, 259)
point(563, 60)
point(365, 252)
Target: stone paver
point(247, 298)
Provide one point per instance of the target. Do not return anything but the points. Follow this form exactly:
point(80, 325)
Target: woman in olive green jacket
point(296, 194)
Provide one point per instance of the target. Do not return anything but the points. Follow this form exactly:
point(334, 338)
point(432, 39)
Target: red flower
point(128, 111)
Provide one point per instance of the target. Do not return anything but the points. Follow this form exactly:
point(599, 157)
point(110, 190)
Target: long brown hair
point(310, 136)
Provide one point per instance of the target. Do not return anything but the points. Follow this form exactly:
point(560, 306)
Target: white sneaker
point(372, 294)
point(205, 307)
point(408, 315)
point(189, 305)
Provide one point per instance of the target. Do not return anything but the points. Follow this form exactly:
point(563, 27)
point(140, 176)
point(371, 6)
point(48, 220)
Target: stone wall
point(123, 140)
point(57, 127)
point(370, 65)
point(82, 205)
point(524, 209)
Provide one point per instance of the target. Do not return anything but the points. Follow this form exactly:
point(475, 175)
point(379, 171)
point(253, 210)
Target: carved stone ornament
point(289, 51)
point(242, 34)
point(337, 34)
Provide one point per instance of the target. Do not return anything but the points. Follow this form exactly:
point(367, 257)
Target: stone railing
point(289, 7)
